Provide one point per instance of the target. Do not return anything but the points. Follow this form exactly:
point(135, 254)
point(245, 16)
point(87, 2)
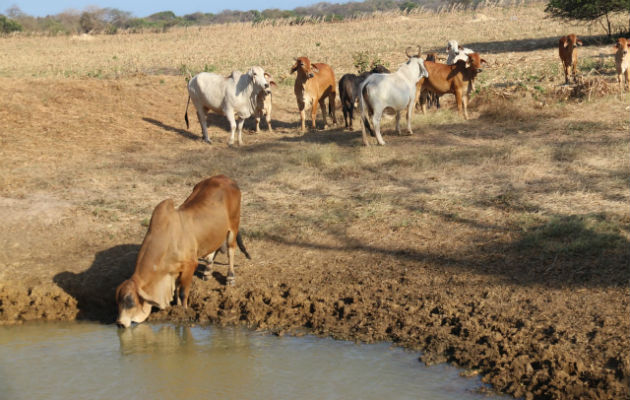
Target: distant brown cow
point(175, 240)
point(263, 105)
point(567, 49)
point(457, 79)
point(313, 84)
point(622, 63)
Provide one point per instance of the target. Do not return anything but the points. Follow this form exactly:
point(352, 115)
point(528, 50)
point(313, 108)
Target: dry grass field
point(499, 244)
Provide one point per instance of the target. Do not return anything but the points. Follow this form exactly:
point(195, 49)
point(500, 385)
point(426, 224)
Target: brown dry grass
point(527, 200)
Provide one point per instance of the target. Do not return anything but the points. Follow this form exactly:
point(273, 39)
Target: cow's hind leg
point(322, 105)
point(376, 121)
point(398, 122)
point(231, 242)
point(409, 112)
point(201, 115)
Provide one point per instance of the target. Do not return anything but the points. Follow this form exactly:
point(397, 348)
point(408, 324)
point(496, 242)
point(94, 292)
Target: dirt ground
point(499, 244)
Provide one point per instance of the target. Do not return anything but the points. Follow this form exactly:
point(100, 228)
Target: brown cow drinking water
point(176, 239)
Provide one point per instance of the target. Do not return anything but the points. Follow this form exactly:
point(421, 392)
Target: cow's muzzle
point(479, 70)
point(266, 86)
point(311, 75)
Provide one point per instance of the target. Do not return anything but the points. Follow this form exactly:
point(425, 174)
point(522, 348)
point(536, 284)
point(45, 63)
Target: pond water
point(92, 361)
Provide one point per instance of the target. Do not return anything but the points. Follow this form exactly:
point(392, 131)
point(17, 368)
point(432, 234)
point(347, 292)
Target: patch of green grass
point(572, 235)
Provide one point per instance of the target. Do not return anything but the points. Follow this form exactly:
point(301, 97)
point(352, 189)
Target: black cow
point(349, 91)
point(430, 98)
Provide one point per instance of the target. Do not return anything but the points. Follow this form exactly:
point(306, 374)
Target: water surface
point(92, 361)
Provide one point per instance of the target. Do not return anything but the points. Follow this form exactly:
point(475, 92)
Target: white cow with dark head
point(456, 52)
point(232, 96)
point(395, 91)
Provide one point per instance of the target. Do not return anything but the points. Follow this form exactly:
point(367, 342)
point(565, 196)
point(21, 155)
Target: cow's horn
point(419, 51)
point(407, 52)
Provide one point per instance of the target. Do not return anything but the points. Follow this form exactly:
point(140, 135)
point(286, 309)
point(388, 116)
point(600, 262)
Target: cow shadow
point(94, 289)
point(524, 45)
point(181, 132)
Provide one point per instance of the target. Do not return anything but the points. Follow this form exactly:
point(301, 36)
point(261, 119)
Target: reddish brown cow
point(175, 240)
point(313, 84)
point(567, 49)
point(456, 79)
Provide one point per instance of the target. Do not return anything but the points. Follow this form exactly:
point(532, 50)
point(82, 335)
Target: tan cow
point(175, 240)
point(264, 105)
point(622, 63)
point(567, 50)
point(313, 84)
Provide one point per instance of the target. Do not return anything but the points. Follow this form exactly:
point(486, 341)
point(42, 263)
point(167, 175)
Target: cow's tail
point(186, 114)
point(362, 105)
point(239, 241)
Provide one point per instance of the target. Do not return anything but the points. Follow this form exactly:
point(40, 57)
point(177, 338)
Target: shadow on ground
point(524, 45)
point(94, 289)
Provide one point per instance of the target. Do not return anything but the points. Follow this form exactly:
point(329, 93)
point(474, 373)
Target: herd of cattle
point(208, 220)
point(417, 82)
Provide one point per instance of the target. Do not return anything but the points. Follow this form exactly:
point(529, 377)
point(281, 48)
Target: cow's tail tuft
point(239, 241)
point(186, 114)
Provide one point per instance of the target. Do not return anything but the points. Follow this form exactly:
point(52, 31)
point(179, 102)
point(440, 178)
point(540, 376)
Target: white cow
point(231, 96)
point(395, 91)
point(456, 52)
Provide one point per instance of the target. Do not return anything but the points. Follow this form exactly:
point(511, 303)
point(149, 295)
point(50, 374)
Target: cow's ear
point(267, 76)
point(579, 42)
point(484, 61)
point(273, 83)
point(294, 68)
point(128, 301)
point(314, 68)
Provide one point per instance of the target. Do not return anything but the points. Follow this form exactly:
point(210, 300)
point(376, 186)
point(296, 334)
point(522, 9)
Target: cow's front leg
point(257, 117)
point(301, 107)
point(314, 114)
point(185, 281)
point(398, 122)
point(230, 117)
point(240, 131)
point(409, 112)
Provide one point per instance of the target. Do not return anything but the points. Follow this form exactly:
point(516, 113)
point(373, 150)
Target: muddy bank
point(530, 341)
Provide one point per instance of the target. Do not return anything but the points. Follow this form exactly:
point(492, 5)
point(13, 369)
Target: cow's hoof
point(230, 281)
point(206, 140)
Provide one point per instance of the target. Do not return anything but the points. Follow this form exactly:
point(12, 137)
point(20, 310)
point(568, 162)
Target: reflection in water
point(142, 338)
point(89, 361)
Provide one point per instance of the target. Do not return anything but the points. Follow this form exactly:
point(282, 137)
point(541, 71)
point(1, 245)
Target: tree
point(588, 10)
point(8, 25)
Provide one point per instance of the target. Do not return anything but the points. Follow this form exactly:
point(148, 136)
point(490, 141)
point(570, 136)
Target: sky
point(143, 8)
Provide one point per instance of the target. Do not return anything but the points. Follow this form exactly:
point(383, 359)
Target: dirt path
point(428, 242)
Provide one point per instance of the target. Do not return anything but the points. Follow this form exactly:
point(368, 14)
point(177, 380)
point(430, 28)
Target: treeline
point(112, 20)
